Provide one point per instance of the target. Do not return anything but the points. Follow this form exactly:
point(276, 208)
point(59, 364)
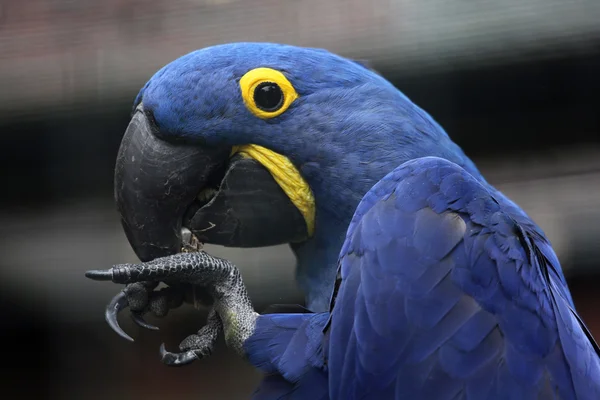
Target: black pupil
point(268, 96)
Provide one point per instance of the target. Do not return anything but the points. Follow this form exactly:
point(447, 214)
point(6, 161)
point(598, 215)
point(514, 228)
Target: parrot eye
point(268, 96)
point(266, 92)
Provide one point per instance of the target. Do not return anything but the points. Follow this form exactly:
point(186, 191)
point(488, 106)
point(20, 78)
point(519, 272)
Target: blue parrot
point(422, 280)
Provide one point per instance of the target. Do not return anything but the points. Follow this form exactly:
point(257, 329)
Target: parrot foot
point(233, 311)
point(196, 346)
point(141, 298)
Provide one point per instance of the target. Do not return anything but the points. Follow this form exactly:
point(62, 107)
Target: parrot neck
point(317, 263)
point(337, 199)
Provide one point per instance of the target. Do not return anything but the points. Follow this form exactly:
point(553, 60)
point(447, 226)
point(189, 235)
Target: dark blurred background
point(514, 82)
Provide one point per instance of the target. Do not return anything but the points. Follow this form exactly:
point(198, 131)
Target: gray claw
point(139, 320)
point(116, 305)
point(100, 274)
point(177, 359)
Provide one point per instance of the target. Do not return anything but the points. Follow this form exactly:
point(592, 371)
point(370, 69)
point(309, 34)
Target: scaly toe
point(177, 359)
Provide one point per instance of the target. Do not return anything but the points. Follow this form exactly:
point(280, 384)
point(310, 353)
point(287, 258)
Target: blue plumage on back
point(452, 298)
point(441, 294)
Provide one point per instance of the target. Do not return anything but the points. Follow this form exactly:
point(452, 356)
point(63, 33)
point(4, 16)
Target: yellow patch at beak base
point(287, 177)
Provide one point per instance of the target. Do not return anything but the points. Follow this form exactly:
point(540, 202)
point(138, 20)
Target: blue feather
point(459, 304)
point(438, 306)
point(289, 349)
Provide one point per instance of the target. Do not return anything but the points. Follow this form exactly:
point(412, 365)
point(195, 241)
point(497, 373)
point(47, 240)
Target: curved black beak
point(163, 186)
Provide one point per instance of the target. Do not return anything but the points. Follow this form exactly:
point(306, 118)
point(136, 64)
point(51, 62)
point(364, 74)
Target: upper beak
point(161, 187)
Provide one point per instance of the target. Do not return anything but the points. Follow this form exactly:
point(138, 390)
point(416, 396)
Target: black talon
point(177, 359)
point(139, 320)
point(100, 274)
point(116, 305)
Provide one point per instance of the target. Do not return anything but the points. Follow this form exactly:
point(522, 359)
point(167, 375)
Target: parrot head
point(259, 144)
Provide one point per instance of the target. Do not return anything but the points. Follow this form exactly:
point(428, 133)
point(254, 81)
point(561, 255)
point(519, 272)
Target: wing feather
point(449, 291)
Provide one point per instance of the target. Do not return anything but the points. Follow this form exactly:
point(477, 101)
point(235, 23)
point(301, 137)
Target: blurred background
point(515, 83)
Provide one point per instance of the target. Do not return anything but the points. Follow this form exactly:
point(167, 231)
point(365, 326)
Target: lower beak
point(162, 187)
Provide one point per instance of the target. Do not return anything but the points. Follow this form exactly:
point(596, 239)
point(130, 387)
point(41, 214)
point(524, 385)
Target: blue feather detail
point(289, 349)
point(461, 301)
point(449, 291)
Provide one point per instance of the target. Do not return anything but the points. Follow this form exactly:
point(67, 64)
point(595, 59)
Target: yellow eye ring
point(266, 92)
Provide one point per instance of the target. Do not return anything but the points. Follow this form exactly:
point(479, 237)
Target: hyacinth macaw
point(422, 280)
